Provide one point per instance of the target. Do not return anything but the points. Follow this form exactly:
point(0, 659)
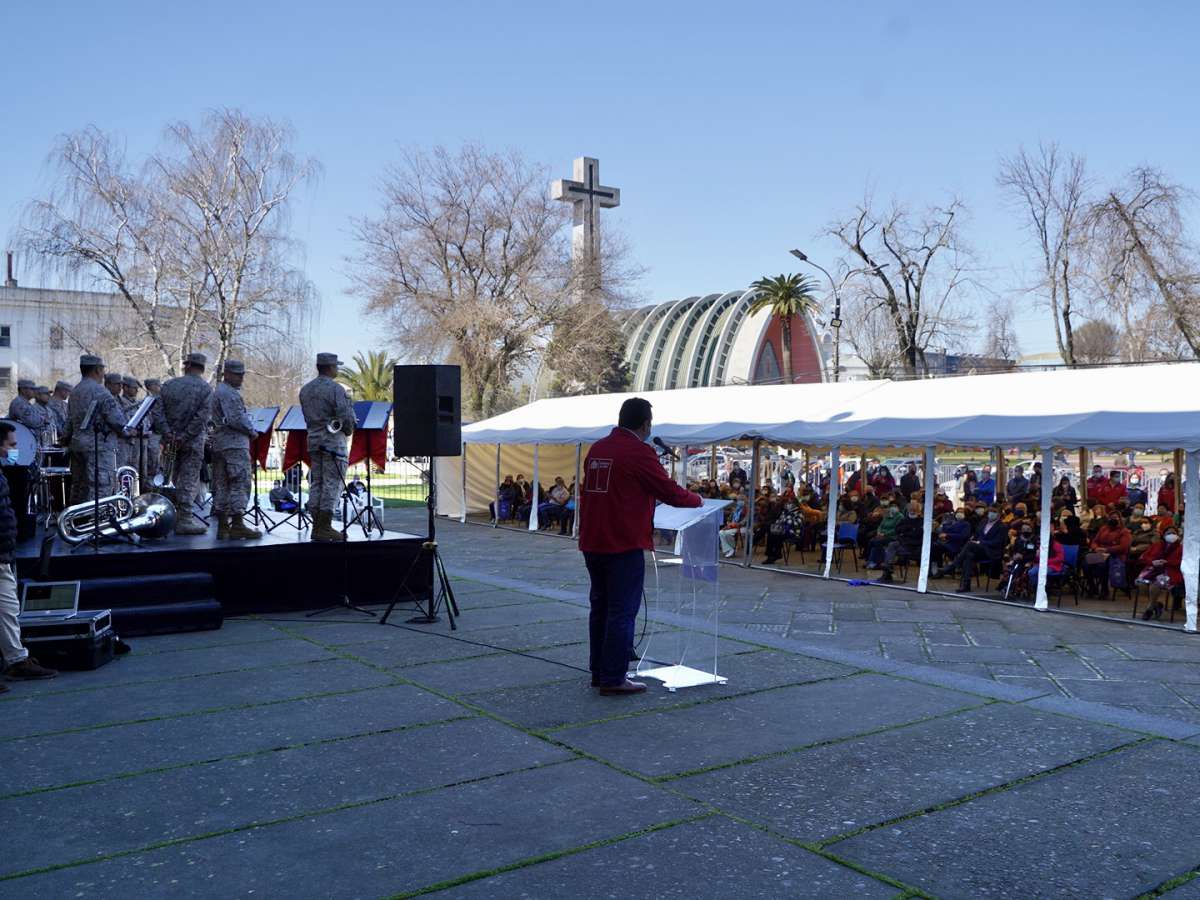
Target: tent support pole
point(462, 516)
point(862, 474)
point(496, 508)
point(803, 479)
point(1001, 475)
point(1040, 601)
point(835, 461)
point(575, 518)
point(1190, 565)
point(750, 498)
point(1083, 477)
point(927, 538)
point(712, 462)
point(1178, 460)
point(534, 491)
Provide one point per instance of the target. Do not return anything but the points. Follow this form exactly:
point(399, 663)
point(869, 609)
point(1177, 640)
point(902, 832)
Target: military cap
point(41, 389)
point(90, 359)
point(236, 366)
point(64, 386)
point(112, 377)
point(327, 359)
point(26, 383)
point(195, 359)
point(152, 382)
point(130, 381)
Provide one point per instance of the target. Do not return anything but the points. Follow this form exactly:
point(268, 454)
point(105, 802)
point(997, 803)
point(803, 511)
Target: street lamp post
point(836, 322)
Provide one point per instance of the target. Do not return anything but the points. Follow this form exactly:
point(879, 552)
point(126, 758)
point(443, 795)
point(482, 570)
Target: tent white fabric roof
point(1153, 406)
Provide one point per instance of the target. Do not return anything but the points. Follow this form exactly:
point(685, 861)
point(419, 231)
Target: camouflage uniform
point(157, 427)
point(186, 401)
point(323, 400)
point(28, 413)
point(58, 411)
point(108, 420)
point(127, 447)
point(232, 434)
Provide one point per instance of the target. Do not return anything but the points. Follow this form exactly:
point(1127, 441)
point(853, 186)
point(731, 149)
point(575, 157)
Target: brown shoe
point(626, 687)
point(28, 670)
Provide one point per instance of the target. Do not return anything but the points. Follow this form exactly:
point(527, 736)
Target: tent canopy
point(1152, 406)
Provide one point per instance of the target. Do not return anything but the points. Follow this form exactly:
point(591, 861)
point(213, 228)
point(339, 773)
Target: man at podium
point(622, 481)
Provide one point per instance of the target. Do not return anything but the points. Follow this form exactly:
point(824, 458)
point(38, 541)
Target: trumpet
point(149, 515)
point(166, 466)
point(334, 426)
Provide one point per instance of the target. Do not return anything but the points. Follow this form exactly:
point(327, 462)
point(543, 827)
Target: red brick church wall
point(806, 362)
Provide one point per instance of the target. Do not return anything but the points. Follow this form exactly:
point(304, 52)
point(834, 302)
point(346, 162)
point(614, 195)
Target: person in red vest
point(622, 480)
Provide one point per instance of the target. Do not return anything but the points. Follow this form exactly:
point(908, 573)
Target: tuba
point(149, 515)
point(127, 482)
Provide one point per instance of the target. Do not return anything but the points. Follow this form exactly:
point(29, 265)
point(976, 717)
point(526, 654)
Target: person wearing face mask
point(884, 534)
point(1162, 574)
point(1166, 494)
point(734, 526)
point(1136, 494)
point(1144, 535)
point(985, 487)
point(986, 546)
point(847, 512)
point(1064, 496)
point(1107, 551)
point(1097, 486)
point(1069, 531)
point(18, 664)
point(949, 539)
point(910, 533)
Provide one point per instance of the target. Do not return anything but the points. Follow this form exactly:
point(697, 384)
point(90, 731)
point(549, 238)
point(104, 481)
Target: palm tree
point(371, 377)
point(786, 296)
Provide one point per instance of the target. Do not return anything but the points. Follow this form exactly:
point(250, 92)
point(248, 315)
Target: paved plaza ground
point(869, 743)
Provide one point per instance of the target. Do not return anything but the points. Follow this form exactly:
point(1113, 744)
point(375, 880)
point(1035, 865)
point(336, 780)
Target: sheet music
point(676, 518)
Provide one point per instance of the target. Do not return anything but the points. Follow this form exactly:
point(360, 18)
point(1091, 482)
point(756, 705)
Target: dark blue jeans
point(616, 596)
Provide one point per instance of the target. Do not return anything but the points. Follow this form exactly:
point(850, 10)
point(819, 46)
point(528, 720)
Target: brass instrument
point(148, 515)
point(127, 482)
point(165, 475)
point(334, 426)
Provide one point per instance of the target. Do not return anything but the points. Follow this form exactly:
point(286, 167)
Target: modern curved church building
point(710, 340)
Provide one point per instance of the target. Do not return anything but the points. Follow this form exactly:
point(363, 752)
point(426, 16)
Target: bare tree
point(868, 330)
point(194, 239)
point(468, 260)
point(1139, 230)
point(1000, 346)
point(1097, 342)
point(913, 266)
point(587, 352)
point(1050, 190)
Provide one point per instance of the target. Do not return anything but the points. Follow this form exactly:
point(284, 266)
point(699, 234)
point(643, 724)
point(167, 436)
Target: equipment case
point(82, 642)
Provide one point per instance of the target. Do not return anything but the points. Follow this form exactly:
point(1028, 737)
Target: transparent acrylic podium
point(686, 585)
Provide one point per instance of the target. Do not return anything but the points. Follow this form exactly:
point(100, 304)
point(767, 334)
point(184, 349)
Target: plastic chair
point(1069, 574)
point(845, 538)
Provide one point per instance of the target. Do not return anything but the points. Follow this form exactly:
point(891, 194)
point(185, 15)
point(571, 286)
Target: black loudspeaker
point(427, 405)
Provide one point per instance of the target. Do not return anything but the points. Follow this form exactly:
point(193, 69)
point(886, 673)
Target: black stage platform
point(283, 570)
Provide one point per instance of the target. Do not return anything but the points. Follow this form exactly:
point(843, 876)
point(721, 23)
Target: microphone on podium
point(663, 449)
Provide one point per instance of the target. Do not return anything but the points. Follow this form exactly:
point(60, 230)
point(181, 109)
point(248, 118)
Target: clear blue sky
point(734, 131)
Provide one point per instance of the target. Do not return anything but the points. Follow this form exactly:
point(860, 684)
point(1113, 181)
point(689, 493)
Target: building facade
point(714, 339)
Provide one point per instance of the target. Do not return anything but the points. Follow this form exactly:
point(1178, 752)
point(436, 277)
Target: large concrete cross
point(588, 197)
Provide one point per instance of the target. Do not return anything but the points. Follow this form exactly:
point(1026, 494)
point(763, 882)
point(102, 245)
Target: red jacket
point(622, 478)
point(1172, 554)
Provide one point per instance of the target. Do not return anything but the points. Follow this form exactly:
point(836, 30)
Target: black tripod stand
point(343, 601)
point(441, 593)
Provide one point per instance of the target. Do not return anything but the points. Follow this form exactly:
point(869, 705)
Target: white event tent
point(1144, 407)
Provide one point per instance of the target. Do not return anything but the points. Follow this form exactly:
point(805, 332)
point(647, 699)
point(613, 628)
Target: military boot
point(189, 524)
point(240, 531)
point(323, 529)
point(223, 528)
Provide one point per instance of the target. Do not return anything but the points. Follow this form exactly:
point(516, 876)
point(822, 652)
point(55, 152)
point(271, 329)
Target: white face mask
point(1171, 538)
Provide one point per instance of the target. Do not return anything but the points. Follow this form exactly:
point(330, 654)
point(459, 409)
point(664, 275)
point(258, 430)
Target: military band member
point(156, 428)
point(323, 400)
point(58, 407)
point(232, 434)
point(186, 402)
point(23, 409)
point(92, 475)
point(50, 430)
point(130, 448)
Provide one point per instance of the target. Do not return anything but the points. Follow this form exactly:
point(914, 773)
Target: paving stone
point(233, 631)
point(916, 615)
point(1123, 693)
point(1097, 651)
point(978, 670)
point(550, 706)
point(713, 859)
point(131, 813)
point(1139, 670)
point(996, 845)
point(1047, 685)
point(1014, 640)
point(504, 670)
point(715, 733)
point(1189, 652)
point(41, 762)
point(1024, 670)
point(1062, 664)
point(971, 653)
point(842, 787)
point(527, 637)
point(463, 829)
point(944, 634)
point(406, 648)
point(27, 715)
point(478, 620)
point(181, 663)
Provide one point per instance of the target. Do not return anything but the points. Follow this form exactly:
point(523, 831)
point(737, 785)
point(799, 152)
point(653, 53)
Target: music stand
point(135, 423)
point(293, 420)
point(263, 420)
point(369, 416)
